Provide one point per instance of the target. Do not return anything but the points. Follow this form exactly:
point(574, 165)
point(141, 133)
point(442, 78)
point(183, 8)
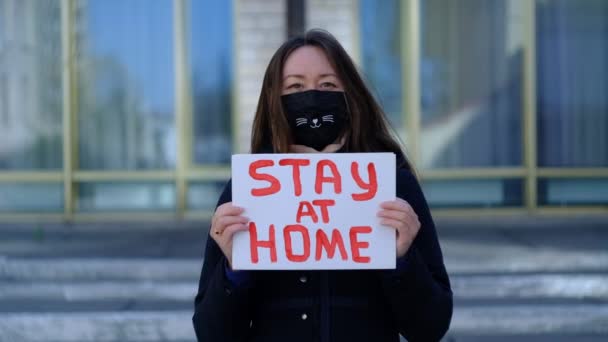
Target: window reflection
point(381, 55)
point(140, 196)
point(203, 195)
point(471, 83)
point(472, 193)
point(30, 85)
point(125, 84)
point(211, 56)
point(31, 197)
point(573, 192)
point(572, 83)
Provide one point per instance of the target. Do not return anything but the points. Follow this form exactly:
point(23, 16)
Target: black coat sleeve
point(221, 310)
point(419, 293)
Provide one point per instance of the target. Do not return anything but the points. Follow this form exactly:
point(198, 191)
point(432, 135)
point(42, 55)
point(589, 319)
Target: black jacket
point(352, 306)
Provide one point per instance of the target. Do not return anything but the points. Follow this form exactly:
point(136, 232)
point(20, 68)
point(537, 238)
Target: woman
point(307, 74)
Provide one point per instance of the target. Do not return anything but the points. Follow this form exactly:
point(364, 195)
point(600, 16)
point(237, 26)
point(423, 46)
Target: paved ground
point(525, 279)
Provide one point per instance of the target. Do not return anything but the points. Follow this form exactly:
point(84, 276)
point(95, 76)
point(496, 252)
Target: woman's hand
point(398, 214)
point(226, 221)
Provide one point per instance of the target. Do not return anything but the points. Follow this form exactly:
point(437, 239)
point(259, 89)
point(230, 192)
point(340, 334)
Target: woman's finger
point(404, 229)
point(397, 225)
point(399, 204)
point(228, 209)
point(233, 229)
point(396, 205)
point(394, 214)
point(223, 222)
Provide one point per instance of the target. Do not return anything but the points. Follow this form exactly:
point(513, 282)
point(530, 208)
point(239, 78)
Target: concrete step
point(103, 305)
point(504, 320)
point(99, 269)
point(98, 240)
point(530, 337)
point(106, 290)
point(171, 326)
point(530, 286)
point(473, 257)
point(530, 319)
point(478, 287)
point(123, 283)
point(75, 269)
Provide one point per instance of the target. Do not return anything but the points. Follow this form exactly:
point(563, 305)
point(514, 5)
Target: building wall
point(260, 30)
point(340, 17)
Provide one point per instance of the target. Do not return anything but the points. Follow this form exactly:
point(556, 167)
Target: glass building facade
point(126, 109)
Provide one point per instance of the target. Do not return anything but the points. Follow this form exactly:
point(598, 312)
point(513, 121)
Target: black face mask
point(316, 118)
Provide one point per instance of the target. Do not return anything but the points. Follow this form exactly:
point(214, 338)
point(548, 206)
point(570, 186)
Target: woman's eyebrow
point(327, 75)
point(293, 75)
point(302, 76)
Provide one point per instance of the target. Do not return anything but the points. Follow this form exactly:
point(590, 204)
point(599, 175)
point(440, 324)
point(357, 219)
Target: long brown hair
point(369, 128)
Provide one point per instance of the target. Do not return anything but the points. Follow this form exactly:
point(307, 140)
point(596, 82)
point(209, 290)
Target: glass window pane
point(30, 85)
point(572, 83)
point(473, 193)
point(573, 191)
point(471, 83)
point(211, 56)
point(3, 26)
point(108, 196)
point(381, 55)
point(125, 84)
point(31, 197)
point(204, 195)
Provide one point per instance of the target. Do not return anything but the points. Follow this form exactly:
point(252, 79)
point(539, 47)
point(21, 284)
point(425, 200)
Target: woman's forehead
point(307, 61)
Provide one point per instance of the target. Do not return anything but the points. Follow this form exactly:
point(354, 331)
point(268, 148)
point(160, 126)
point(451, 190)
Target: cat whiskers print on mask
point(301, 121)
point(328, 118)
point(315, 121)
point(324, 118)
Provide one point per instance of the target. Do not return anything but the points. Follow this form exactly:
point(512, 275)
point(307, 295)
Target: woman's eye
point(328, 85)
point(294, 86)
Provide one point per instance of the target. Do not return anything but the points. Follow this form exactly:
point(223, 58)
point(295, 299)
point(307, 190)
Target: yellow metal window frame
point(186, 172)
point(529, 172)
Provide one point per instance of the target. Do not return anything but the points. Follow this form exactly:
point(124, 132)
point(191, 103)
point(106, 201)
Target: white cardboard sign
point(313, 211)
